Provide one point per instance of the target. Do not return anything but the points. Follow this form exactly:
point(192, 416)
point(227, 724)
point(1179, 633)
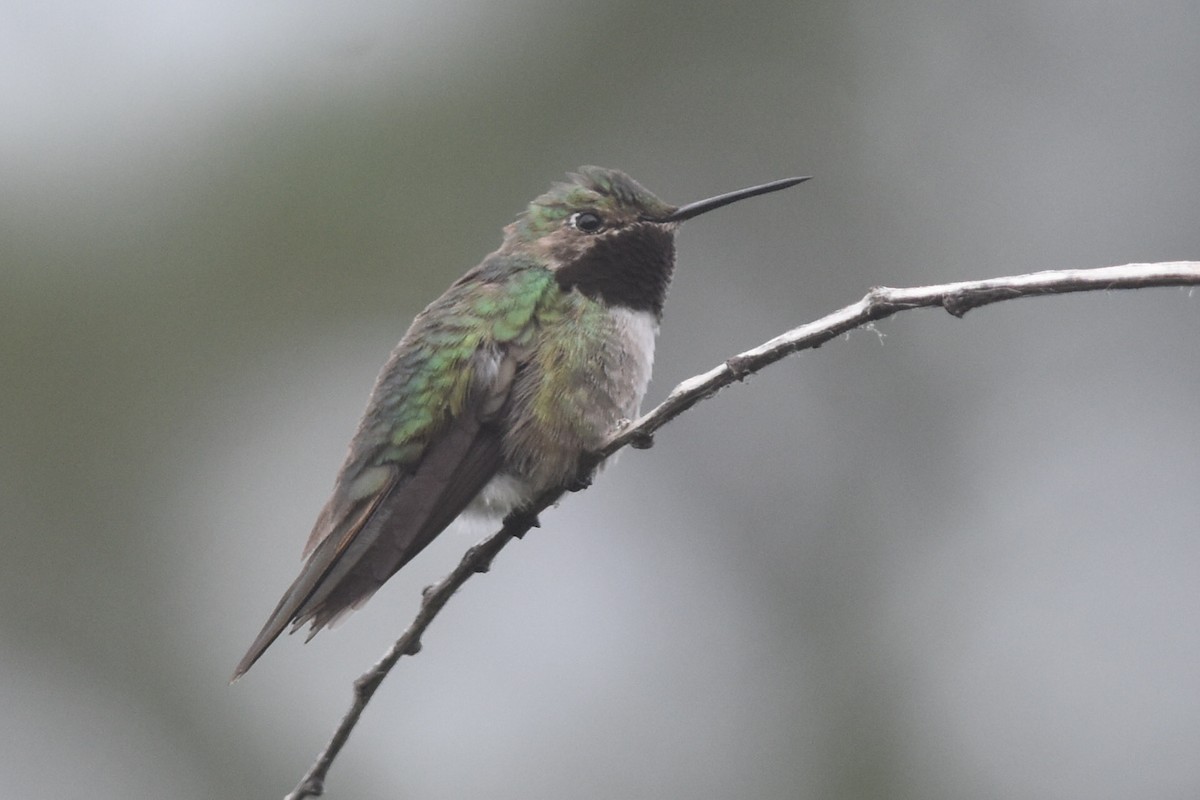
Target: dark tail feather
point(270, 632)
point(383, 533)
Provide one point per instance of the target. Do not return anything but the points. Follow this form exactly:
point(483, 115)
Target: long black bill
point(703, 206)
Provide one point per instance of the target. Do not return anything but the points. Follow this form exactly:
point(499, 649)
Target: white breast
point(638, 329)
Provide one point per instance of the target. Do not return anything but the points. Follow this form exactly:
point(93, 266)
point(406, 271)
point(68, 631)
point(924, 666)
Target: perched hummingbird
point(500, 388)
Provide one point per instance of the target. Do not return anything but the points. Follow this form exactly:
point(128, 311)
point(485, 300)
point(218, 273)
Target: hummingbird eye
point(586, 221)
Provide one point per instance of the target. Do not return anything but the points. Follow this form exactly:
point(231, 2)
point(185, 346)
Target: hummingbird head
point(604, 234)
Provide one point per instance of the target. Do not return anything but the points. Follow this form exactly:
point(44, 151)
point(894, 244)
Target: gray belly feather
point(608, 387)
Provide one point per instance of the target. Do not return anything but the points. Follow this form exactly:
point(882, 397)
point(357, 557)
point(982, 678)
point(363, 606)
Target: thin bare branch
point(956, 298)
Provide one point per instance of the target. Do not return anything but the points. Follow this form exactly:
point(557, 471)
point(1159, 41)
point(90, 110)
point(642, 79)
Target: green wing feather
point(427, 445)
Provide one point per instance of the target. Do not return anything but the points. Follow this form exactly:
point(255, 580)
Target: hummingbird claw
point(582, 481)
point(522, 521)
point(585, 472)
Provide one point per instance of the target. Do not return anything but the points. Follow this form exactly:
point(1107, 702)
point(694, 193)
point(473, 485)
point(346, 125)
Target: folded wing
point(357, 545)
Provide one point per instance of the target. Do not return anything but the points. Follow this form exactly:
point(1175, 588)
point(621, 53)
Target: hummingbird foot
point(583, 480)
point(585, 472)
point(521, 520)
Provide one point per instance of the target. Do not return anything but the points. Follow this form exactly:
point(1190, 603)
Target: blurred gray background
point(945, 559)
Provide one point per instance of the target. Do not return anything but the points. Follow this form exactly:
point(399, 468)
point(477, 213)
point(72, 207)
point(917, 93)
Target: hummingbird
point(500, 388)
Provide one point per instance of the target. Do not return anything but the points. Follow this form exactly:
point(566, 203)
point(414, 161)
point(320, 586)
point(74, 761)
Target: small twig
point(477, 559)
point(881, 302)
